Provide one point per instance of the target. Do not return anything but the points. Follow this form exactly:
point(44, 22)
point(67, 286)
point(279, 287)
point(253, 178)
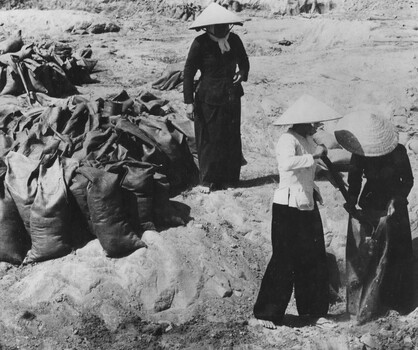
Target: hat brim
point(307, 110)
point(215, 14)
point(366, 134)
point(206, 25)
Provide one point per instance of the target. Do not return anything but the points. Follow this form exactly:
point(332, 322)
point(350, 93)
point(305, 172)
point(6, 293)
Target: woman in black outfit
point(215, 106)
point(384, 164)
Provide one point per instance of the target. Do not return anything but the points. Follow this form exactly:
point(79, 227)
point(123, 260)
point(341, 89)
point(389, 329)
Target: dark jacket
point(217, 70)
point(389, 176)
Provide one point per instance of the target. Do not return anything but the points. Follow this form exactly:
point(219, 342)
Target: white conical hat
point(366, 134)
point(307, 109)
point(215, 14)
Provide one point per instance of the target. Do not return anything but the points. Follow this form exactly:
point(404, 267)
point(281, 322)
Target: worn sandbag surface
point(82, 227)
point(139, 190)
point(50, 215)
point(181, 169)
point(22, 182)
point(14, 240)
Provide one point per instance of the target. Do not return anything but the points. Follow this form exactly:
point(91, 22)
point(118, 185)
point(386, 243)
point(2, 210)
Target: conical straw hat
point(366, 134)
point(215, 14)
point(307, 109)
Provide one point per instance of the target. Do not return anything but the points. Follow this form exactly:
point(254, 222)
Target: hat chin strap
point(222, 42)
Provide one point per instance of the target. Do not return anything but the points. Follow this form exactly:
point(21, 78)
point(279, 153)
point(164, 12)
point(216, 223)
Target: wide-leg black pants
point(395, 282)
point(218, 142)
point(299, 261)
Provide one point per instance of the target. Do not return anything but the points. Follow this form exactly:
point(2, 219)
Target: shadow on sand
point(260, 181)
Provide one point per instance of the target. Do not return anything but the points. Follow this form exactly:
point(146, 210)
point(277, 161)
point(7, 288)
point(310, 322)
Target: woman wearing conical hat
point(299, 258)
point(378, 158)
point(215, 106)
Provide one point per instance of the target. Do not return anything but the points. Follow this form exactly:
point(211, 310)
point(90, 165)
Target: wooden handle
point(336, 176)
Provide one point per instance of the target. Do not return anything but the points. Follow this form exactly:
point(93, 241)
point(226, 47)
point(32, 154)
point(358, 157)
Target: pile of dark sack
point(72, 170)
point(50, 68)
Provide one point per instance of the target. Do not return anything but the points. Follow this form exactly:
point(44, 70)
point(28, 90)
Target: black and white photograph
point(209, 175)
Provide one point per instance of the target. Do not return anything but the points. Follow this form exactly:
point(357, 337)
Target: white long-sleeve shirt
point(297, 171)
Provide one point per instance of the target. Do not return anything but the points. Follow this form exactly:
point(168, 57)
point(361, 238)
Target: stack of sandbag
point(36, 197)
point(74, 170)
point(38, 190)
point(50, 68)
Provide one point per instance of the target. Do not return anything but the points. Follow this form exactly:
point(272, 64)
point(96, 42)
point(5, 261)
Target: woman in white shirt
point(299, 257)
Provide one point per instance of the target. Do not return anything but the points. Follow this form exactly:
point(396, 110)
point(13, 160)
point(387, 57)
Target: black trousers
point(396, 281)
point(299, 261)
point(218, 142)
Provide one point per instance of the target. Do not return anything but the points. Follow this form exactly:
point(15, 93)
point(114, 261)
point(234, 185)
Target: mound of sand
point(35, 23)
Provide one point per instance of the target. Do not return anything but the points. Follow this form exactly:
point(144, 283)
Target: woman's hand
point(238, 77)
point(190, 111)
point(391, 208)
point(320, 151)
point(395, 203)
point(317, 197)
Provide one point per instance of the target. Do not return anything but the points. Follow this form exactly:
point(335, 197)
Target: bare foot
point(267, 324)
point(325, 323)
point(203, 189)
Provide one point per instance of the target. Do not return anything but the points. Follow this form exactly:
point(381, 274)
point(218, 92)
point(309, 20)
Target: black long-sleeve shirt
point(217, 70)
point(388, 176)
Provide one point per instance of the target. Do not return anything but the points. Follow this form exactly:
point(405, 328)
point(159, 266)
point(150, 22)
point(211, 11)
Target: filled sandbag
point(165, 214)
point(5, 143)
point(96, 143)
point(138, 181)
point(32, 68)
point(81, 225)
point(50, 78)
point(50, 214)
point(14, 240)
point(110, 220)
point(145, 147)
point(22, 182)
point(181, 169)
point(13, 85)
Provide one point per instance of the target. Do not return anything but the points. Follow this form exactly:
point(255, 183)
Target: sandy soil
point(194, 287)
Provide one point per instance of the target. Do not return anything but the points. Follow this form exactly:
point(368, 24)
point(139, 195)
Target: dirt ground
point(194, 287)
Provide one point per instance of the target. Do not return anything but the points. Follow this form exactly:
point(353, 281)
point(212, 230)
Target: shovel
point(30, 95)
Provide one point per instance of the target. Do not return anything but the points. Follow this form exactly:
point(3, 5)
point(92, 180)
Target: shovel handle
point(336, 176)
point(16, 61)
